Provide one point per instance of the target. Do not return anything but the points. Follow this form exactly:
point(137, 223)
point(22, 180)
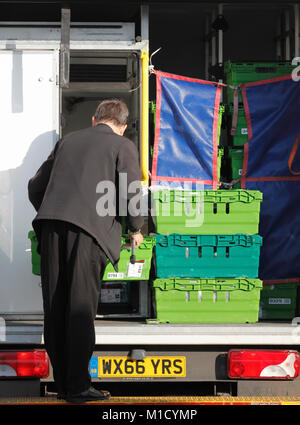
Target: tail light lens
point(263, 364)
point(30, 363)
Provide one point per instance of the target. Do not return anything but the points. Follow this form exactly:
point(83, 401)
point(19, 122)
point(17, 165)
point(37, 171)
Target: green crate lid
point(220, 196)
point(207, 284)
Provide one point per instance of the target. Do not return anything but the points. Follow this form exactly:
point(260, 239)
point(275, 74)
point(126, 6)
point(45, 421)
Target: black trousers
point(72, 265)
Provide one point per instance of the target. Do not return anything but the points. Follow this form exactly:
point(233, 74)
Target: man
point(75, 239)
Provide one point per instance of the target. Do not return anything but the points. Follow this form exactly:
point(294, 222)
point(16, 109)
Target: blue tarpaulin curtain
point(272, 165)
point(186, 131)
point(186, 149)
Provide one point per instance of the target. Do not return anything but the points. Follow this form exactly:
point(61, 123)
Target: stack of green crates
point(199, 259)
point(246, 72)
point(278, 301)
point(237, 73)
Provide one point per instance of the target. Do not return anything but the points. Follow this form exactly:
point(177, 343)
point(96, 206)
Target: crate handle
point(241, 196)
point(208, 240)
point(218, 285)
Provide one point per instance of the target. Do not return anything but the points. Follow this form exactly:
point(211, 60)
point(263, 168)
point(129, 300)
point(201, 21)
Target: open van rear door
point(29, 114)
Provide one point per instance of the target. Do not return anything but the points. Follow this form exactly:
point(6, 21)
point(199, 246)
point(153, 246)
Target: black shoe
point(90, 395)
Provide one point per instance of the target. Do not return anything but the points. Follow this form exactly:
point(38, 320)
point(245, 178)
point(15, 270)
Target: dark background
point(177, 27)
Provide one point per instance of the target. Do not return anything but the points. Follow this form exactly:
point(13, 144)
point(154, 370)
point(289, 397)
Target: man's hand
point(138, 239)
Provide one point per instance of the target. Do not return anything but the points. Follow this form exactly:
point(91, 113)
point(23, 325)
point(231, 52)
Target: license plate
point(126, 367)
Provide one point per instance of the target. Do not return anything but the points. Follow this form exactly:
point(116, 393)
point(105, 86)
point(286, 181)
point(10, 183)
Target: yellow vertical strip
point(145, 118)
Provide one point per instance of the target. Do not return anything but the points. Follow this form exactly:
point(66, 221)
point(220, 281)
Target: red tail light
point(30, 363)
point(263, 364)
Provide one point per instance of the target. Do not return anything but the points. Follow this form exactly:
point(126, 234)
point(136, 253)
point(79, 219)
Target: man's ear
point(93, 121)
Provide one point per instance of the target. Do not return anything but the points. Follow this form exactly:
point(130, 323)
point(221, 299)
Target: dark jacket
point(65, 186)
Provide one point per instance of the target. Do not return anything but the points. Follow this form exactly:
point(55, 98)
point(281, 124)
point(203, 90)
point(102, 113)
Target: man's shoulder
point(127, 143)
point(77, 133)
point(90, 133)
point(121, 143)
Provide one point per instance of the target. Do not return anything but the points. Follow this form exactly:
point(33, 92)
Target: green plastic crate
point(207, 256)
point(206, 300)
point(236, 159)
point(247, 72)
point(35, 256)
point(207, 212)
point(241, 134)
point(279, 301)
point(143, 256)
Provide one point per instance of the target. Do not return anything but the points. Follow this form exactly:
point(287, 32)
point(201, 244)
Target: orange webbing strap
point(292, 156)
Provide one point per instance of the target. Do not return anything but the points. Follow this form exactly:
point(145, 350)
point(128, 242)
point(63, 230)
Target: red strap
point(235, 111)
point(292, 156)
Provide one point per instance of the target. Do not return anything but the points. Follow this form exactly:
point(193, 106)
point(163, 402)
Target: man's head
point(114, 113)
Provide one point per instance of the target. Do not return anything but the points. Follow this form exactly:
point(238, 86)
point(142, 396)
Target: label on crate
point(279, 301)
point(115, 275)
point(244, 131)
point(135, 270)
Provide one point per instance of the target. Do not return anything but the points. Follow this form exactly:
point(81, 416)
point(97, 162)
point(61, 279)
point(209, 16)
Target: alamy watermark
point(133, 199)
point(296, 70)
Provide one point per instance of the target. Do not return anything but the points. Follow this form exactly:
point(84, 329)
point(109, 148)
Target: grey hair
point(113, 110)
